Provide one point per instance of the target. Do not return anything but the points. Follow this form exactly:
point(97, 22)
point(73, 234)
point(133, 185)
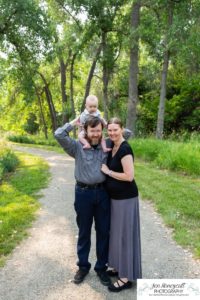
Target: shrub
point(8, 161)
point(37, 139)
point(31, 125)
point(21, 139)
point(51, 141)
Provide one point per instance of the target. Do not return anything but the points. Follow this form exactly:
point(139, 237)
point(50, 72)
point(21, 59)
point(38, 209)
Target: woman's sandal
point(112, 273)
point(126, 285)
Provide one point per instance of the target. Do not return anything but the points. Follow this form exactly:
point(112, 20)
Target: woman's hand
point(105, 169)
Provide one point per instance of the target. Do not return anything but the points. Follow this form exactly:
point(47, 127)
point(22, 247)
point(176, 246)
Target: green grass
point(177, 156)
point(18, 201)
point(177, 199)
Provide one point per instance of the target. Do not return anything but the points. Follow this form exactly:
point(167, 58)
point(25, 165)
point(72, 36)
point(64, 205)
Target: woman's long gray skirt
point(125, 243)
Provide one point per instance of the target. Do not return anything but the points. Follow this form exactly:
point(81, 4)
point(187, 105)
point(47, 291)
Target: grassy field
point(176, 198)
point(168, 174)
point(183, 157)
point(18, 201)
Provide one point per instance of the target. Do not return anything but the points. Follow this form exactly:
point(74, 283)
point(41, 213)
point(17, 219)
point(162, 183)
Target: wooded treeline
point(141, 58)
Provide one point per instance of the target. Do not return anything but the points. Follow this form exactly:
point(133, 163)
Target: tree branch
point(6, 24)
point(95, 75)
point(69, 13)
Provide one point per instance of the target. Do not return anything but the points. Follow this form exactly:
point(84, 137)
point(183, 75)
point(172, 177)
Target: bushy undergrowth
point(178, 153)
point(184, 136)
point(21, 139)
point(8, 160)
point(51, 141)
point(177, 156)
point(37, 140)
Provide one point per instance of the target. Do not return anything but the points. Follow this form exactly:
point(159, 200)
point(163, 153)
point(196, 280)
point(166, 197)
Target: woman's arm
point(128, 168)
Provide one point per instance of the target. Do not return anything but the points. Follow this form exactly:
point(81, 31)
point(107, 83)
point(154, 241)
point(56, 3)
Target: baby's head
point(91, 104)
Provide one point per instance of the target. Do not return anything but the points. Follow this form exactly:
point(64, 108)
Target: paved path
point(42, 267)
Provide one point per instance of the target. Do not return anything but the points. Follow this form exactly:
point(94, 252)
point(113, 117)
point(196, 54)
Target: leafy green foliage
point(23, 27)
point(40, 34)
point(31, 126)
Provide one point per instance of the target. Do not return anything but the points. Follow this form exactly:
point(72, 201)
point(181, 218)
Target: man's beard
point(94, 141)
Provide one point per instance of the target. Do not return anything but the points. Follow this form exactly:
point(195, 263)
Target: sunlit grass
point(177, 156)
point(177, 199)
point(18, 201)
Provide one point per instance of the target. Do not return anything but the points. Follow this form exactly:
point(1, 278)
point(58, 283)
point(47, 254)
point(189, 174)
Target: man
point(91, 199)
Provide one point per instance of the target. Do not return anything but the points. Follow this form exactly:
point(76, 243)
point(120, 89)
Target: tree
point(101, 15)
point(166, 56)
point(42, 116)
point(23, 29)
point(90, 75)
point(133, 70)
point(52, 60)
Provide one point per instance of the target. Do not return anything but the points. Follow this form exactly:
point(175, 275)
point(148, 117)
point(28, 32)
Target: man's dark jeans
point(92, 204)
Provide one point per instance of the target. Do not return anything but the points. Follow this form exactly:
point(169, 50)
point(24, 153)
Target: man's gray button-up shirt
point(88, 162)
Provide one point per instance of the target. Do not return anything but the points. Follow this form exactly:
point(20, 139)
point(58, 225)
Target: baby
point(91, 109)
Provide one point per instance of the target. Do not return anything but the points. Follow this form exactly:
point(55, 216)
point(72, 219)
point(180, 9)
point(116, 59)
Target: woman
point(124, 246)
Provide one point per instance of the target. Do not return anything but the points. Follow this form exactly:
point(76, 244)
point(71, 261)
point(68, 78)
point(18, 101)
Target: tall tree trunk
point(44, 125)
point(63, 89)
point(73, 113)
point(163, 86)
point(50, 103)
point(51, 107)
point(105, 75)
point(90, 75)
point(63, 70)
point(72, 86)
point(161, 110)
point(133, 68)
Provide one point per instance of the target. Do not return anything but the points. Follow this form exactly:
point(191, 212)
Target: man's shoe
point(104, 278)
point(80, 275)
